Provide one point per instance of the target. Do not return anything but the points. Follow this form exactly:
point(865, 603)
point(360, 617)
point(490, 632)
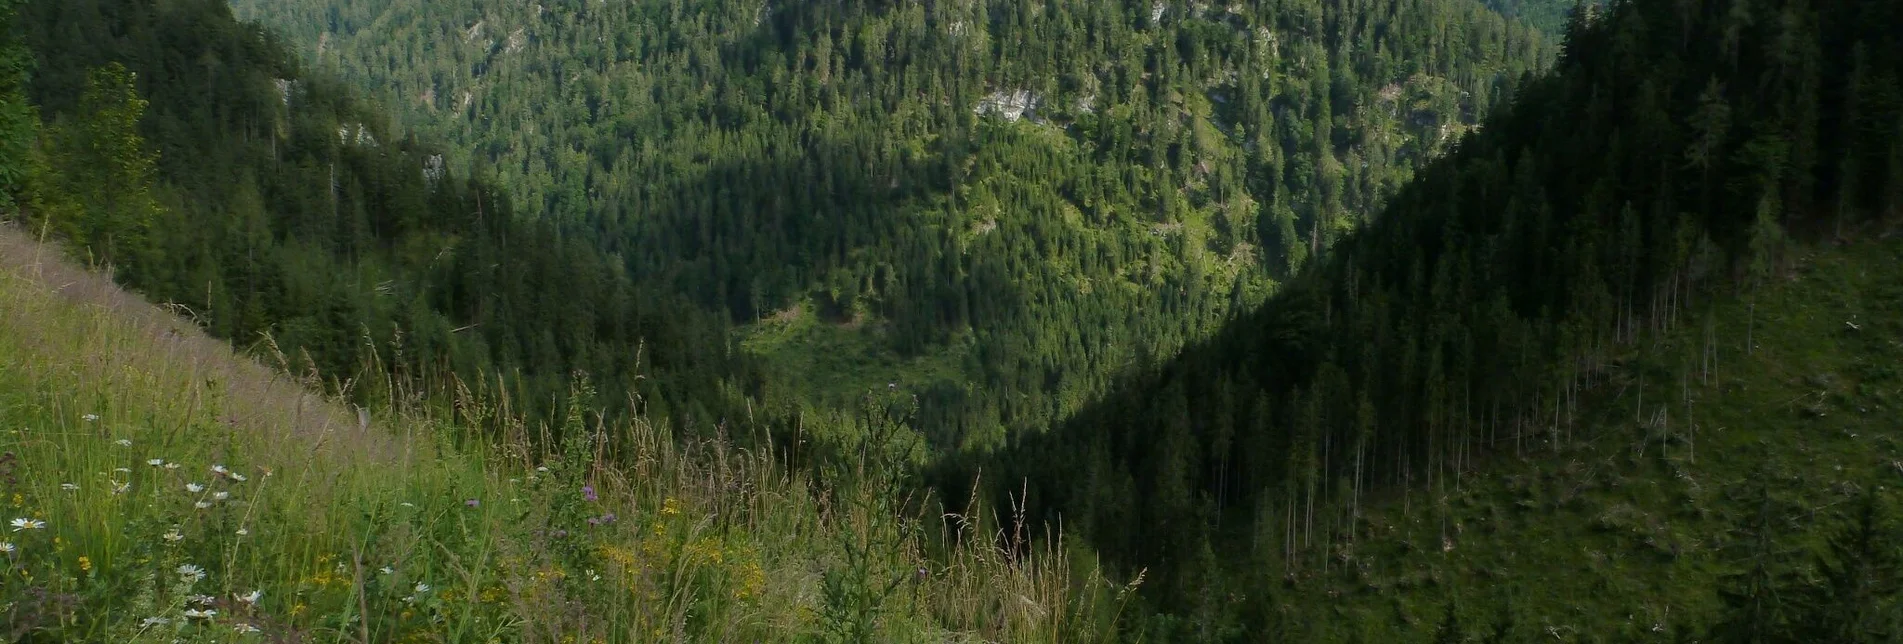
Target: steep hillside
point(995, 205)
point(167, 489)
point(1667, 163)
point(198, 159)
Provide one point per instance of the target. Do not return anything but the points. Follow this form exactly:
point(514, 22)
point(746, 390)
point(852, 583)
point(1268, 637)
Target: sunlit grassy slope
point(161, 487)
point(1635, 516)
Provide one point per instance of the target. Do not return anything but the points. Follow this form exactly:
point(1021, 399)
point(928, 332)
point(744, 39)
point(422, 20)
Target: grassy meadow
point(157, 486)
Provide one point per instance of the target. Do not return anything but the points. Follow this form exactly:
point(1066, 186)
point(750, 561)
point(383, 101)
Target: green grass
point(387, 533)
point(1625, 532)
point(834, 365)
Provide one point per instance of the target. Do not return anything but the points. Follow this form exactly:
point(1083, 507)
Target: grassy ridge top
point(162, 488)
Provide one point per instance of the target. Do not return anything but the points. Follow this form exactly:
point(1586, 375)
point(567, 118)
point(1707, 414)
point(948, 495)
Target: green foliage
point(1492, 299)
point(18, 123)
point(168, 490)
point(98, 183)
point(284, 215)
point(866, 166)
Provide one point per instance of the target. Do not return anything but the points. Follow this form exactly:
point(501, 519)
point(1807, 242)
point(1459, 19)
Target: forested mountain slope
point(994, 204)
point(195, 156)
point(1669, 160)
point(161, 487)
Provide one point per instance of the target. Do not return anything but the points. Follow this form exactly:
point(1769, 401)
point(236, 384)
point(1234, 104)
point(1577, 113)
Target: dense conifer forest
point(994, 205)
point(1672, 157)
point(1343, 320)
point(198, 158)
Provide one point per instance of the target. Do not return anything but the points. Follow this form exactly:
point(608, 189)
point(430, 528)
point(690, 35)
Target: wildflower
point(85, 564)
point(244, 628)
point(243, 532)
point(27, 524)
point(123, 442)
point(219, 470)
point(194, 488)
point(90, 417)
point(251, 597)
point(202, 505)
point(543, 469)
point(588, 493)
point(407, 504)
point(171, 466)
point(237, 477)
point(156, 462)
point(6, 547)
point(409, 599)
point(473, 502)
point(190, 574)
point(220, 495)
point(203, 600)
point(121, 488)
point(122, 470)
point(150, 622)
point(200, 614)
point(69, 487)
point(173, 536)
point(386, 570)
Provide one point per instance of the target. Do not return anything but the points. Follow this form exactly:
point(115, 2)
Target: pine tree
point(1856, 603)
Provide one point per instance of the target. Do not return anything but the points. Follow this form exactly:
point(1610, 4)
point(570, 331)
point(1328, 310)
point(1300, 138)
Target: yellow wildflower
point(670, 507)
point(85, 564)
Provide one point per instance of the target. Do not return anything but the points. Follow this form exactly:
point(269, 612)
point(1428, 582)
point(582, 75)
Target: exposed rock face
point(1011, 106)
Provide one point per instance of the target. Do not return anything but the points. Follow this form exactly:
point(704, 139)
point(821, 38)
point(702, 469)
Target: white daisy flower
point(251, 597)
point(200, 614)
point(90, 417)
point(237, 477)
point(194, 488)
point(220, 470)
point(407, 504)
point(69, 487)
point(206, 600)
point(154, 621)
point(173, 536)
point(156, 462)
point(124, 442)
point(202, 505)
point(543, 468)
point(243, 532)
point(27, 524)
point(422, 588)
point(244, 628)
point(6, 547)
point(171, 466)
point(385, 570)
point(410, 599)
point(189, 573)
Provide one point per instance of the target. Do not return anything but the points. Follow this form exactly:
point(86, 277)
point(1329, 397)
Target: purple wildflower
point(588, 493)
point(473, 502)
